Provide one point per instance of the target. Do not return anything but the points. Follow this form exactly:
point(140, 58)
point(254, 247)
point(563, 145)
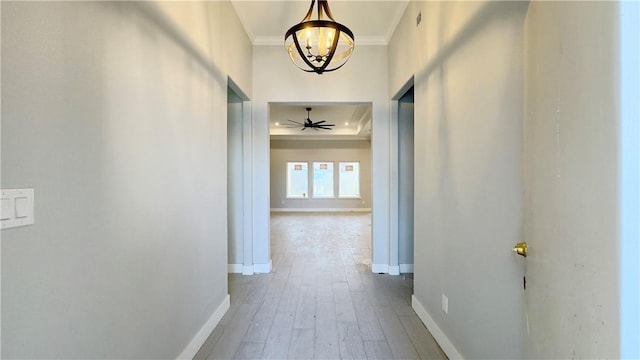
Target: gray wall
point(319, 150)
point(466, 59)
point(118, 121)
point(571, 174)
point(517, 120)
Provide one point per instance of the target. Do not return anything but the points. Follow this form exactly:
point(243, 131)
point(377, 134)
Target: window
point(349, 180)
point(297, 180)
point(323, 180)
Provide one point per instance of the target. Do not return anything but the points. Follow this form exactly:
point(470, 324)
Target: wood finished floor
point(321, 300)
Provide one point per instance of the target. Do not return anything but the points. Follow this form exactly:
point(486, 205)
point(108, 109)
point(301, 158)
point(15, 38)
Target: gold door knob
point(521, 249)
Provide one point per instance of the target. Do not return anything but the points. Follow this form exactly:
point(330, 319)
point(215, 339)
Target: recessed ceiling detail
point(357, 116)
point(309, 124)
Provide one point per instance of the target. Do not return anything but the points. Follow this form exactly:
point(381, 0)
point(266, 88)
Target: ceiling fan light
point(319, 45)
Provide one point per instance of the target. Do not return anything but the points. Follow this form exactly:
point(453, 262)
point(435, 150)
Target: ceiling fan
point(310, 124)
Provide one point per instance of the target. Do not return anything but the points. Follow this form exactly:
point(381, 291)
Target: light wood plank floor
point(321, 300)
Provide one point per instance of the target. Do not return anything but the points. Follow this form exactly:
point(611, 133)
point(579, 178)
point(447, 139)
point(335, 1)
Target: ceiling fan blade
point(295, 122)
point(303, 128)
point(319, 122)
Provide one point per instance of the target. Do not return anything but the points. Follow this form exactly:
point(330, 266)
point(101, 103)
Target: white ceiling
point(372, 23)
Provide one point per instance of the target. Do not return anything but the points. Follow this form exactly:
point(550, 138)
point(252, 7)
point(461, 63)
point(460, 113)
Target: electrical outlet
point(445, 304)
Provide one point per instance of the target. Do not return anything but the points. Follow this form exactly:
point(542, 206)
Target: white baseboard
point(406, 268)
point(364, 210)
point(394, 270)
point(250, 269)
point(247, 270)
point(434, 329)
point(380, 268)
point(196, 343)
point(262, 268)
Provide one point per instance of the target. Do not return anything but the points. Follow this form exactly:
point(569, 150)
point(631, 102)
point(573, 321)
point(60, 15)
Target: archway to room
point(320, 184)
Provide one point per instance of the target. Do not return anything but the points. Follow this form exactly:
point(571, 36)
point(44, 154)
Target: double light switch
point(17, 208)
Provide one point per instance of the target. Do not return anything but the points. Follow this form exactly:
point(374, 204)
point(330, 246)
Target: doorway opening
point(321, 176)
point(401, 244)
point(236, 175)
point(405, 181)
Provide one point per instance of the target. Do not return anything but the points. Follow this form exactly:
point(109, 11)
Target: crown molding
point(244, 22)
point(396, 21)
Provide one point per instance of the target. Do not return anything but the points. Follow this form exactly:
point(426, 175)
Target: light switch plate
point(22, 207)
point(7, 208)
point(17, 208)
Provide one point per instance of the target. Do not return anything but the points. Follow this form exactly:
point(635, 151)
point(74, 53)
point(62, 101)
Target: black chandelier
point(319, 45)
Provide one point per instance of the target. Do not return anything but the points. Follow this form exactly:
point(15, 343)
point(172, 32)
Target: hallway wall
point(519, 120)
point(115, 113)
point(466, 59)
